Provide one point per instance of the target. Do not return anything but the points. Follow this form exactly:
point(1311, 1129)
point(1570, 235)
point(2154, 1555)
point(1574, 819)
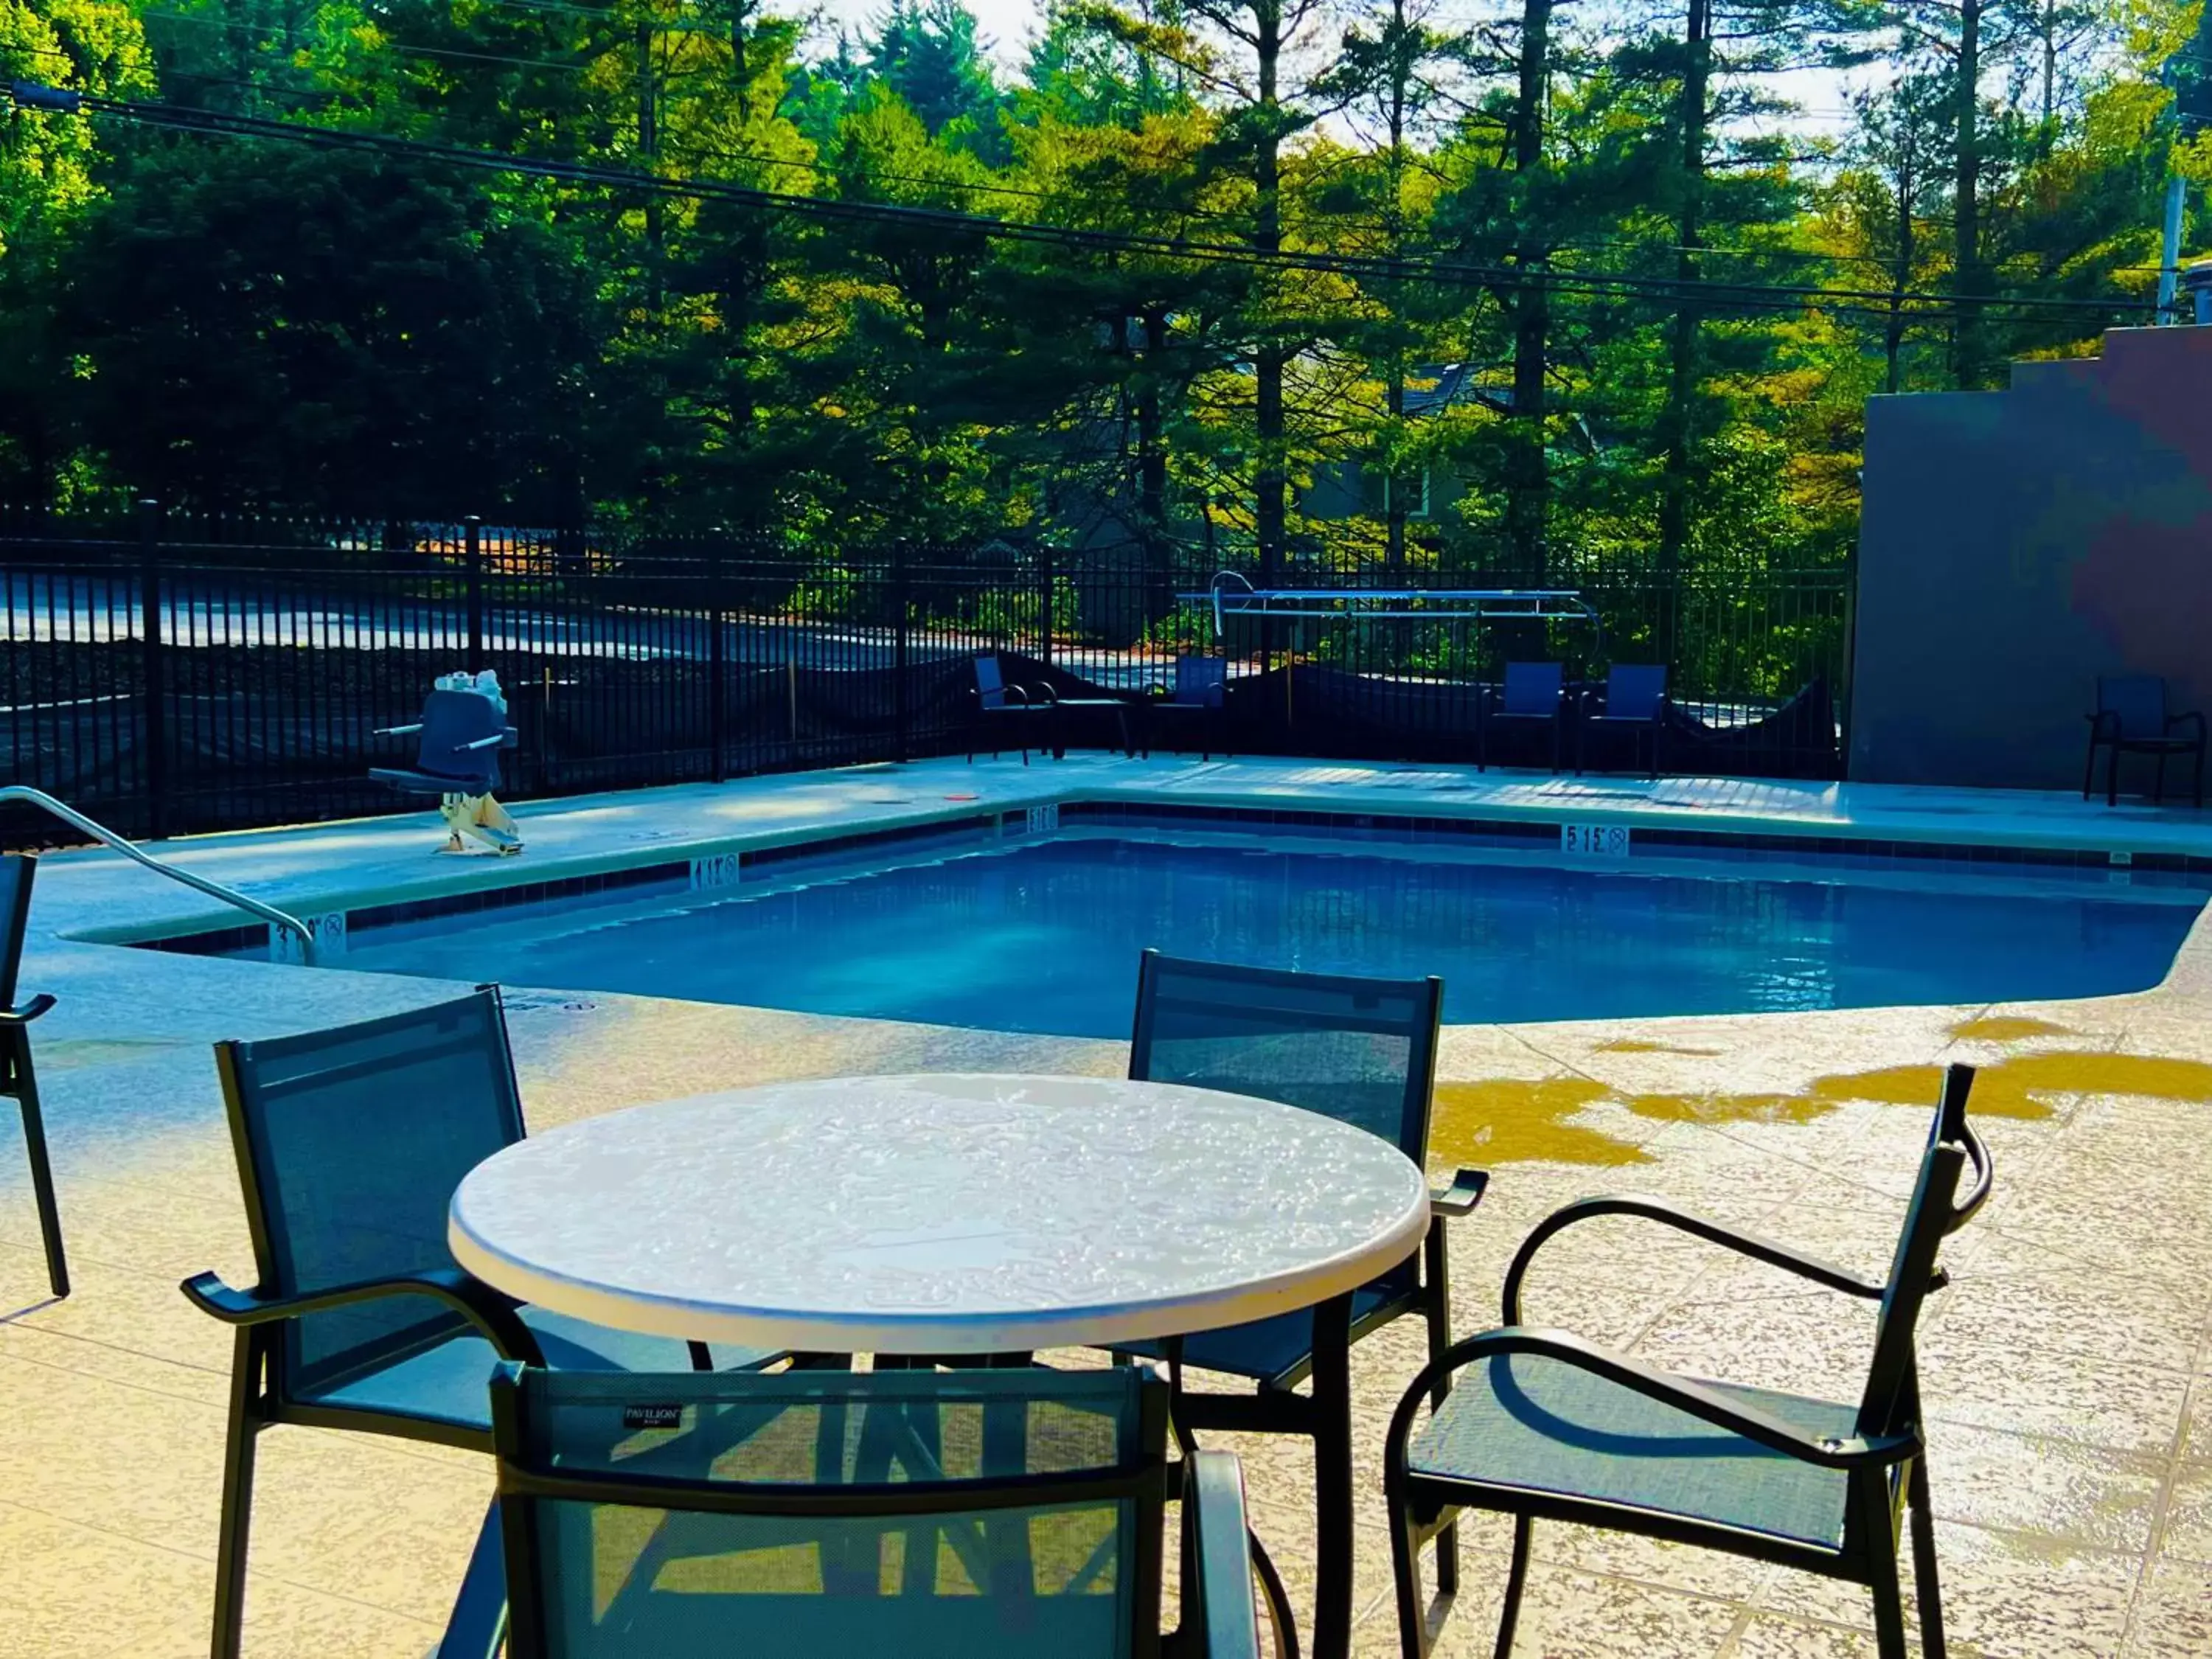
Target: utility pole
point(2169, 263)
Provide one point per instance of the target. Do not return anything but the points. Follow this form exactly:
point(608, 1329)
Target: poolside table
point(949, 1215)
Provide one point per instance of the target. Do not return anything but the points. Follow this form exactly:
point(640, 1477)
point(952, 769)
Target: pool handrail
point(130, 849)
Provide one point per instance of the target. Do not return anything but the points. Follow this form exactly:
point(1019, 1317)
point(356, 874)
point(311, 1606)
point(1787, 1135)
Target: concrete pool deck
point(2068, 1370)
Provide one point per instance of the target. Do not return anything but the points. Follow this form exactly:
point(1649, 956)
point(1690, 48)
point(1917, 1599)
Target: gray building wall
point(2014, 545)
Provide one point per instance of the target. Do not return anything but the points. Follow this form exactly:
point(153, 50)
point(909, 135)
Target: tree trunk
point(1967, 256)
point(1393, 482)
point(1528, 482)
point(1153, 473)
point(1271, 510)
point(1682, 343)
point(1893, 336)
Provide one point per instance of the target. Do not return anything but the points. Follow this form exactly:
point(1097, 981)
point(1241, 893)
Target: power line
point(1745, 296)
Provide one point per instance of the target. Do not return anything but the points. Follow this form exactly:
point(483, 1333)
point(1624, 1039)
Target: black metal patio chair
point(1634, 702)
point(1200, 698)
point(910, 1512)
point(998, 701)
point(1540, 1424)
point(18, 1079)
point(1532, 693)
point(349, 1144)
point(1363, 1051)
point(2131, 719)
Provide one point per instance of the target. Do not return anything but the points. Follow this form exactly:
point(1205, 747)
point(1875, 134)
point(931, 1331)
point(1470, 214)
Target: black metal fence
point(170, 674)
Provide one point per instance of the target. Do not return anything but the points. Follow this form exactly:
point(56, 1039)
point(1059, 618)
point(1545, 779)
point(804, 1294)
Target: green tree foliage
point(1575, 287)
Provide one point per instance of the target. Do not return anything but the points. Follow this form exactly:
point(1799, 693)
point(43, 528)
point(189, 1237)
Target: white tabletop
point(944, 1214)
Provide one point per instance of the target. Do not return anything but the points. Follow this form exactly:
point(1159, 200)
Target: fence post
point(154, 668)
point(472, 527)
point(718, 647)
point(1044, 596)
point(900, 633)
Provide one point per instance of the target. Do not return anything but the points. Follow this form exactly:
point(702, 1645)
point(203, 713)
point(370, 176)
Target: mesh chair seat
point(1540, 1425)
point(446, 1383)
point(1267, 1348)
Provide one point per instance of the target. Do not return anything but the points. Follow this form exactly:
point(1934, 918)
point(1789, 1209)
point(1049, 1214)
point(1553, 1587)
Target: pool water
point(1044, 938)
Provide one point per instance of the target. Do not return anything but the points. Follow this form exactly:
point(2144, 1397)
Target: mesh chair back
point(349, 1144)
point(1533, 687)
point(1363, 1051)
point(16, 874)
point(990, 684)
point(1890, 1401)
point(995, 1512)
point(452, 719)
point(1201, 682)
point(1634, 691)
point(2135, 701)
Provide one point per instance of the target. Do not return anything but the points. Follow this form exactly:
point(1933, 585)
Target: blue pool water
point(1045, 938)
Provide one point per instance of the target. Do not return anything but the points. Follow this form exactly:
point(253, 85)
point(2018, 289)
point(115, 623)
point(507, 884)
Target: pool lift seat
point(457, 759)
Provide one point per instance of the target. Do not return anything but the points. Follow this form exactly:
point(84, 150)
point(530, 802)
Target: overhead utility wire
point(1753, 296)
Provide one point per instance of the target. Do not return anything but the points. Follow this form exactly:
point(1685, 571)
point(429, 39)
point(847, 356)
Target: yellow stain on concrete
point(1505, 1120)
point(1515, 1120)
point(2004, 1028)
point(1638, 1046)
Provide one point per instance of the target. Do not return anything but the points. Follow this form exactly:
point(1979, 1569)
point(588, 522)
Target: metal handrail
point(130, 849)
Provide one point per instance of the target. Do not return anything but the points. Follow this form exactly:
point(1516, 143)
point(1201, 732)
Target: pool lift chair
point(462, 728)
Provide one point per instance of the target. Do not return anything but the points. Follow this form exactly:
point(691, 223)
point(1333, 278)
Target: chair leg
point(17, 1067)
point(2113, 776)
point(1924, 1573)
point(1872, 1498)
point(1406, 1575)
point(1436, 1282)
point(237, 1495)
point(1332, 1497)
point(1517, 1578)
point(2089, 771)
point(2158, 781)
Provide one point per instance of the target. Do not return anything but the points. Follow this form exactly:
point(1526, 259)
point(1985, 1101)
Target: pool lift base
point(481, 818)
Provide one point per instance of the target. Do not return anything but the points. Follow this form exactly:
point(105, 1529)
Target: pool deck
point(2068, 1370)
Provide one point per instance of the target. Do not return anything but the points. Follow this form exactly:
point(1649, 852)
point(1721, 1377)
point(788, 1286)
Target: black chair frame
point(1324, 1414)
point(19, 1077)
point(1025, 702)
point(1647, 732)
point(1490, 710)
point(1219, 1616)
point(2108, 732)
point(262, 1393)
point(1887, 1467)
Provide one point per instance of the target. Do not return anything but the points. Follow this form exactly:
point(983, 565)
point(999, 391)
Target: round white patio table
point(940, 1214)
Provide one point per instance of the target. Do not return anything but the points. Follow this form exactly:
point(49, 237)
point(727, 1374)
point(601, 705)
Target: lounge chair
point(1634, 701)
point(349, 1144)
point(457, 759)
point(1007, 1513)
point(998, 703)
point(1533, 694)
point(2131, 719)
point(19, 1081)
point(1362, 1051)
point(1540, 1424)
point(1199, 699)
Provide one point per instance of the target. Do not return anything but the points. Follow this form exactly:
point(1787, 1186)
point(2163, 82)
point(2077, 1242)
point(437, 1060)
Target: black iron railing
point(172, 673)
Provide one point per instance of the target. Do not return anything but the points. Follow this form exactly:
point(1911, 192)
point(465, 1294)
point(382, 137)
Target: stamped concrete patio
point(2068, 1370)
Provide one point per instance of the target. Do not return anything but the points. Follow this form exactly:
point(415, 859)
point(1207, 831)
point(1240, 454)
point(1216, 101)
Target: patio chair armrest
point(1214, 1488)
point(1685, 1394)
point(1460, 1198)
point(30, 1011)
point(492, 1312)
point(2192, 718)
point(1667, 1215)
point(2100, 719)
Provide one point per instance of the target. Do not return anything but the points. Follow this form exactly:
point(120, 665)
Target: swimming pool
point(1043, 936)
